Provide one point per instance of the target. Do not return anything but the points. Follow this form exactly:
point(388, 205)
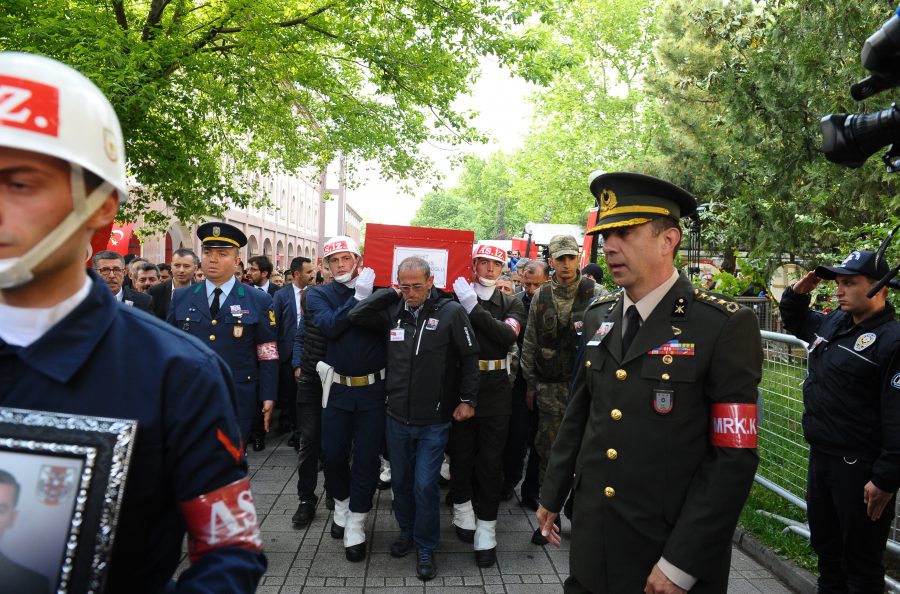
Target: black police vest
point(558, 343)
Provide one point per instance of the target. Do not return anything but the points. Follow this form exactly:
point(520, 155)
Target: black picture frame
point(81, 465)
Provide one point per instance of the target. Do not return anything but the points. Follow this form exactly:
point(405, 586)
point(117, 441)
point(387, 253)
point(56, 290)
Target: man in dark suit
point(659, 437)
point(111, 268)
point(15, 578)
point(287, 318)
point(259, 269)
point(234, 320)
point(184, 263)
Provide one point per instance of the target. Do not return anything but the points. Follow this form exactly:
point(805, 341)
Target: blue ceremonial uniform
point(354, 414)
point(242, 333)
point(182, 398)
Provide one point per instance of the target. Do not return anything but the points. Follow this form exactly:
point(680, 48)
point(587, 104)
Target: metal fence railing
point(783, 452)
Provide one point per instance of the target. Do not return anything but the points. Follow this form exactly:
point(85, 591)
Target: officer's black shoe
point(402, 546)
point(487, 558)
point(426, 568)
point(464, 535)
point(383, 485)
point(507, 493)
point(306, 511)
point(356, 553)
point(336, 531)
point(259, 444)
point(538, 538)
point(530, 502)
point(293, 442)
point(329, 502)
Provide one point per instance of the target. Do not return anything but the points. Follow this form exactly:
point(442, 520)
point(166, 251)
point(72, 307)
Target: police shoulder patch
point(719, 302)
point(864, 341)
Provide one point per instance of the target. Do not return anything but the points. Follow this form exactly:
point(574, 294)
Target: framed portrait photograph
point(62, 478)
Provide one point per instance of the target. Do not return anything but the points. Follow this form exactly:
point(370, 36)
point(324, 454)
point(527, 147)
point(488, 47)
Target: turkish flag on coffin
point(448, 251)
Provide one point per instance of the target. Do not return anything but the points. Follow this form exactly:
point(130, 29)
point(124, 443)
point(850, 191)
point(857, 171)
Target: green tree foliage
point(444, 210)
point(594, 114)
point(210, 89)
point(741, 87)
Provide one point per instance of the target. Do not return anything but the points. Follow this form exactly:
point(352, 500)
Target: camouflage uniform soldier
point(551, 343)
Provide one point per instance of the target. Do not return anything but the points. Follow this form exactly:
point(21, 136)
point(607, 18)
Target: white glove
point(364, 283)
point(465, 293)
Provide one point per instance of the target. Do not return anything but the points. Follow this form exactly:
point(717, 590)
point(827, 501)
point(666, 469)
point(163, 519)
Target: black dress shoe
point(336, 531)
point(402, 546)
point(426, 568)
point(486, 558)
point(464, 535)
point(356, 553)
point(383, 485)
point(259, 445)
point(507, 493)
point(293, 442)
point(306, 511)
point(530, 502)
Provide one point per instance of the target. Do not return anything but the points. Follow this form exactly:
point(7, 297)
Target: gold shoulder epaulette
point(718, 301)
point(608, 298)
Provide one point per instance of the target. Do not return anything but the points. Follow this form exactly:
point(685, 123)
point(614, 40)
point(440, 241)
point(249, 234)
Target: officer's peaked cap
point(628, 199)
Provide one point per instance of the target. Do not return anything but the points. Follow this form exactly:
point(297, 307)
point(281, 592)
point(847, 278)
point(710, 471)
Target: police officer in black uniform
point(234, 320)
point(851, 420)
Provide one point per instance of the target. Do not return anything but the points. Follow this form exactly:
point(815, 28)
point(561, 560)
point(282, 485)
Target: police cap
point(858, 262)
point(628, 199)
point(217, 234)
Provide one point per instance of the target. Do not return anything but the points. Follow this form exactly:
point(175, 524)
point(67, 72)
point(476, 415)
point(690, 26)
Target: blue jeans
point(416, 454)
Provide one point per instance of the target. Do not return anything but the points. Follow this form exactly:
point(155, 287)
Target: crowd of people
point(633, 412)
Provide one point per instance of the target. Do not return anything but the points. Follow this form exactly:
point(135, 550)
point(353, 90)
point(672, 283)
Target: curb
point(793, 576)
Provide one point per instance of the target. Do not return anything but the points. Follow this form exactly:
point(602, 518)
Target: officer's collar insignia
point(864, 341)
point(676, 330)
point(608, 200)
point(678, 310)
point(896, 381)
point(216, 231)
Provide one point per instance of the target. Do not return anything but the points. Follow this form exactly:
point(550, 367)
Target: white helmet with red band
point(338, 244)
point(489, 252)
point(49, 108)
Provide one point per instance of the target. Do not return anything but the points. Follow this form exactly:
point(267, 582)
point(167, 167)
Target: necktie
point(634, 323)
point(214, 306)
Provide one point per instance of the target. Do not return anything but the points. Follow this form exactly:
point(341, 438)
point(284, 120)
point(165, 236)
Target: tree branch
point(157, 7)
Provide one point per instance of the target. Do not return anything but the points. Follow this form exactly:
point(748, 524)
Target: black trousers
point(309, 430)
point(849, 545)
point(476, 451)
point(287, 398)
point(517, 437)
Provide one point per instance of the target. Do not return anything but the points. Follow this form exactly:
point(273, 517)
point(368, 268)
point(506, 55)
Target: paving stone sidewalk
point(310, 561)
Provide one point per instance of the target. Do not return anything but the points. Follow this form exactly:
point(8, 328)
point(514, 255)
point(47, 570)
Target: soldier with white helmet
point(63, 339)
point(352, 372)
point(476, 443)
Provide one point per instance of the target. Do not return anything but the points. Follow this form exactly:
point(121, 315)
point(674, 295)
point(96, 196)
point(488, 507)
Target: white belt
point(491, 365)
point(356, 381)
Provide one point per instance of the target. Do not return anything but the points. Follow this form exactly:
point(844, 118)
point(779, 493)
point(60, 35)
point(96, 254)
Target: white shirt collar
point(23, 326)
point(226, 286)
point(646, 304)
point(264, 288)
point(120, 295)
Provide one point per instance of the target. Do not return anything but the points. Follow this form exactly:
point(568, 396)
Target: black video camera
point(849, 140)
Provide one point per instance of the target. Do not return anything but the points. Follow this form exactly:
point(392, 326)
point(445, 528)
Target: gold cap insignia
point(217, 231)
point(608, 200)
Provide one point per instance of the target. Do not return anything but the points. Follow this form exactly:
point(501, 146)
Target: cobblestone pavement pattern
point(310, 561)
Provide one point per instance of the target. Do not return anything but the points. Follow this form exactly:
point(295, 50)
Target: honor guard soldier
point(66, 343)
point(851, 419)
point(476, 444)
point(235, 320)
point(659, 436)
point(352, 373)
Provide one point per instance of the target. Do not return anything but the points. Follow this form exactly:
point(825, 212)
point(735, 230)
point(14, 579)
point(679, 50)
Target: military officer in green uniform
point(659, 436)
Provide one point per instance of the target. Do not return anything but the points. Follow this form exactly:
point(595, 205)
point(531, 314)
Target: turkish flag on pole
point(119, 238)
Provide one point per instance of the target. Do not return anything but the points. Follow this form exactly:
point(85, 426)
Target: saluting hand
point(807, 283)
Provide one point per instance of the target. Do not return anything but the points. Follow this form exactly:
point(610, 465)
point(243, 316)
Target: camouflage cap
point(564, 245)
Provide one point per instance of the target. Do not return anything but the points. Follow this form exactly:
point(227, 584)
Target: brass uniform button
point(612, 454)
point(214, 322)
point(212, 336)
point(587, 363)
point(621, 374)
point(667, 359)
point(616, 414)
point(665, 377)
point(609, 492)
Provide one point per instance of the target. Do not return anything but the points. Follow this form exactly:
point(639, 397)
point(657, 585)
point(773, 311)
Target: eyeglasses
point(415, 287)
point(106, 270)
